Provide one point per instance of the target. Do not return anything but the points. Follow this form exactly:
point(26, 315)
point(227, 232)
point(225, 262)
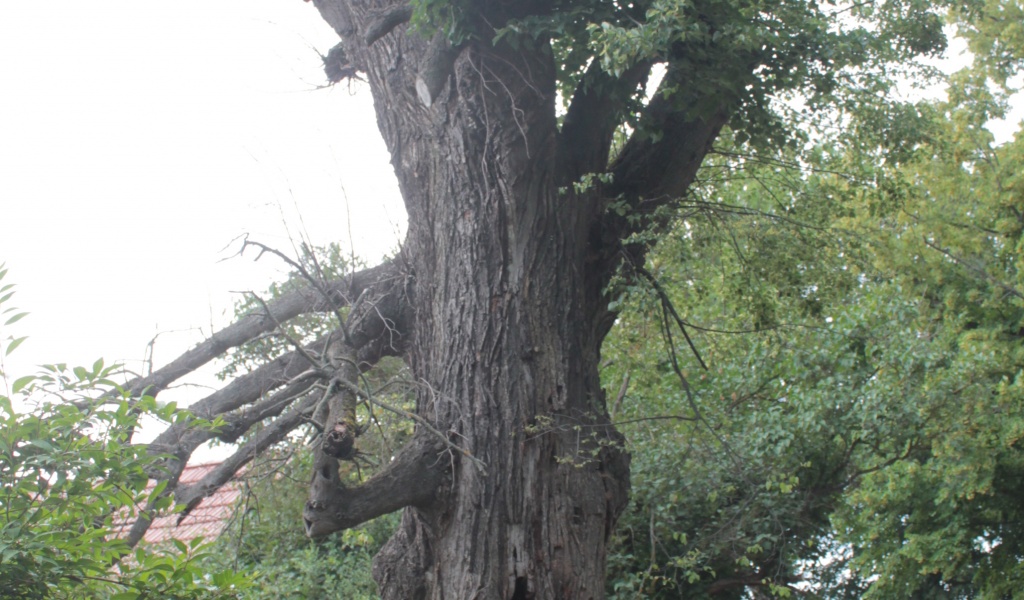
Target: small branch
point(385, 21)
point(655, 418)
point(976, 269)
point(237, 424)
point(316, 282)
point(317, 364)
point(670, 308)
point(621, 396)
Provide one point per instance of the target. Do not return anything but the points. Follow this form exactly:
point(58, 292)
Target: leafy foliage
point(265, 538)
point(68, 475)
point(858, 302)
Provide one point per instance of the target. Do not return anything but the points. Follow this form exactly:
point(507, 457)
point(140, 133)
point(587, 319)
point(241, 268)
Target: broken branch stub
point(435, 68)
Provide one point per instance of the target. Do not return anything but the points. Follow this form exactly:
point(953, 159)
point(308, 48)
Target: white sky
point(138, 139)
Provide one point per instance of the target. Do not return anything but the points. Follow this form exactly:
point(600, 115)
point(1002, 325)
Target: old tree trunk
point(509, 269)
point(508, 316)
point(498, 301)
point(506, 330)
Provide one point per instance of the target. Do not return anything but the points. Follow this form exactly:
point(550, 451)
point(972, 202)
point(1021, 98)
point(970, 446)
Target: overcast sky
point(138, 139)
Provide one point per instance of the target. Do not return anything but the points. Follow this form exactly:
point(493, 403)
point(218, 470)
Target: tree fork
point(413, 478)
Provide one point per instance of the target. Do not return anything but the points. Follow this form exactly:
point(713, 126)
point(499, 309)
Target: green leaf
point(21, 382)
point(44, 444)
point(14, 344)
point(16, 318)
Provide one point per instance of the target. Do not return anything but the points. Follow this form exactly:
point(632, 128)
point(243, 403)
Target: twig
point(298, 347)
point(315, 282)
point(667, 305)
point(963, 263)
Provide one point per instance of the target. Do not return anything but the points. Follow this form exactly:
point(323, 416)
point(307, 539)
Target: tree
point(537, 173)
point(858, 433)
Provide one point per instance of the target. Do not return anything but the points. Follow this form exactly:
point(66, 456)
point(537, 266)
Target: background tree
point(858, 432)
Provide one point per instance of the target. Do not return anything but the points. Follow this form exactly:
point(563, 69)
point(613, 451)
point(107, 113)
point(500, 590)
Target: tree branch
point(385, 21)
point(977, 270)
point(653, 170)
point(182, 438)
point(411, 479)
point(259, 322)
point(597, 108)
point(193, 494)
point(374, 325)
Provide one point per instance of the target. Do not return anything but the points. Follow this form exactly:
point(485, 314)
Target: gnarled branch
point(379, 325)
point(411, 479)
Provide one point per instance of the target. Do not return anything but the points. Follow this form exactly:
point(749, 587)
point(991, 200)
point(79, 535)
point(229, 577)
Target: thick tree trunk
point(506, 336)
point(505, 340)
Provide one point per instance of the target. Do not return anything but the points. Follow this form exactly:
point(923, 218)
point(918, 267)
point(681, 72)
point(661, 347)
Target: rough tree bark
point(510, 266)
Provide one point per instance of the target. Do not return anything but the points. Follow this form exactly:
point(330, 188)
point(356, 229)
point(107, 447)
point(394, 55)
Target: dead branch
point(258, 322)
point(294, 375)
point(276, 431)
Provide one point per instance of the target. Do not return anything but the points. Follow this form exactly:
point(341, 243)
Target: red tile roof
point(207, 519)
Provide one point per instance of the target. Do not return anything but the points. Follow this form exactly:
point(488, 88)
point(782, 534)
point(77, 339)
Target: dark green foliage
point(859, 430)
point(266, 538)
